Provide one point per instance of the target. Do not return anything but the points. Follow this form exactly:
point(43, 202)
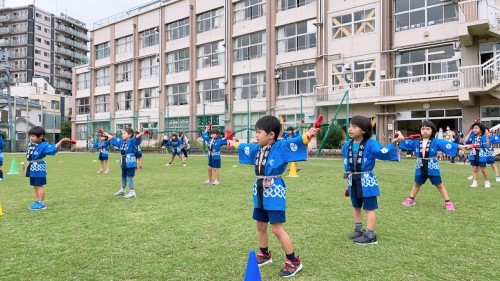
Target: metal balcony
point(65, 74)
point(72, 31)
point(477, 19)
point(62, 85)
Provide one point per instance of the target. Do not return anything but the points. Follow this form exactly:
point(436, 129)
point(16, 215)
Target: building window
point(120, 127)
point(291, 4)
point(46, 42)
point(124, 45)
point(102, 50)
point(250, 46)
point(353, 24)
point(102, 104)
point(250, 86)
point(38, 39)
point(428, 64)
point(243, 122)
point(149, 37)
point(152, 126)
point(210, 20)
point(177, 94)
point(177, 124)
point(297, 80)
point(149, 67)
point(362, 75)
point(83, 106)
point(55, 104)
point(38, 52)
point(178, 61)
point(211, 90)
point(211, 54)
point(83, 81)
point(102, 76)
point(124, 101)
point(249, 10)
point(415, 14)
point(124, 72)
point(46, 54)
point(296, 36)
point(216, 120)
point(150, 98)
point(178, 29)
point(38, 64)
point(81, 131)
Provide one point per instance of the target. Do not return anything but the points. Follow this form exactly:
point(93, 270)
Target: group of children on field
point(270, 157)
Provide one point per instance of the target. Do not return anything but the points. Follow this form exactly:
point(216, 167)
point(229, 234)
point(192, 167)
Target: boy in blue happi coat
point(478, 155)
point(35, 166)
point(427, 165)
point(359, 156)
point(2, 145)
point(128, 146)
point(270, 158)
point(102, 148)
point(176, 149)
point(214, 144)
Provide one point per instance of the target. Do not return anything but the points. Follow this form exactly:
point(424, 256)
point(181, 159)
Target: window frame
point(250, 90)
point(149, 98)
point(282, 42)
point(285, 82)
point(214, 58)
point(215, 90)
point(178, 61)
point(178, 29)
point(102, 50)
point(239, 51)
point(149, 37)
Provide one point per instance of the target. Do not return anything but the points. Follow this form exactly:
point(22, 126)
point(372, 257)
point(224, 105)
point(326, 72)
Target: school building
point(176, 65)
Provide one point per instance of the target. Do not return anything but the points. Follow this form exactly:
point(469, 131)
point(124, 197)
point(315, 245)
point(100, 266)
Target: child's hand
point(231, 142)
point(312, 133)
point(399, 137)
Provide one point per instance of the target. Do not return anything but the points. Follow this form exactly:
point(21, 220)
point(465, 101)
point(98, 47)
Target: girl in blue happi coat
point(35, 166)
point(214, 144)
point(270, 158)
point(102, 148)
point(478, 155)
point(2, 144)
point(176, 149)
point(359, 155)
point(427, 165)
point(128, 146)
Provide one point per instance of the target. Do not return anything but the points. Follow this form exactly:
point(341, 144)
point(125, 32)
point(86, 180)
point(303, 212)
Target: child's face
point(477, 130)
point(426, 132)
point(103, 138)
point(290, 132)
point(125, 135)
point(213, 135)
point(35, 139)
point(264, 138)
point(355, 132)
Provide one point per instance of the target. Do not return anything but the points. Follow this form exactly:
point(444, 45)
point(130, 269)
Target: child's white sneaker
point(168, 164)
point(207, 182)
point(184, 165)
point(120, 192)
point(130, 195)
point(216, 182)
point(469, 178)
point(497, 179)
point(474, 184)
point(487, 184)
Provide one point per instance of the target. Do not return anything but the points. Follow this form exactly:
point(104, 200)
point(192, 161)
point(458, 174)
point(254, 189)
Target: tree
point(334, 139)
point(66, 129)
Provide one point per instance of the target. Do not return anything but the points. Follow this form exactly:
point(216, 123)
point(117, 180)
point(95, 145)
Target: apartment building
point(41, 44)
point(177, 65)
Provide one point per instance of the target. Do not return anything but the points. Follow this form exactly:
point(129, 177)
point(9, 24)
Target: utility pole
point(4, 67)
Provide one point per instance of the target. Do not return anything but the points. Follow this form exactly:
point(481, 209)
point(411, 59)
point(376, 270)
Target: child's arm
point(467, 138)
point(389, 152)
point(448, 148)
point(295, 149)
point(205, 136)
point(494, 139)
point(247, 152)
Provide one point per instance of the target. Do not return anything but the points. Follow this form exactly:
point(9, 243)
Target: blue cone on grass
point(252, 272)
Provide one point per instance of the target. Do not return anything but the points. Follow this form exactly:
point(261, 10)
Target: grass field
point(180, 229)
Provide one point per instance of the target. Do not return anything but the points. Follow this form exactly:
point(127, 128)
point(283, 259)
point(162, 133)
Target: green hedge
point(334, 139)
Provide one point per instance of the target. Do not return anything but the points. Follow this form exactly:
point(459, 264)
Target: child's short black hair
point(269, 124)
point(364, 124)
point(481, 127)
point(174, 136)
point(129, 131)
point(215, 131)
point(37, 131)
point(431, 125)
point(137, 132)
point(289, 128)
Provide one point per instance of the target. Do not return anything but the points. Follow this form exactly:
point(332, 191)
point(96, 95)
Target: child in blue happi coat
point(270, 158)
point(214, 161)
point(176, 150)
point(478, 156)
point(102, 148)
point(2, 145)
point(291, 133)
point(359, 156)
point(427, 165)
point(35, 166)
point(128, 146)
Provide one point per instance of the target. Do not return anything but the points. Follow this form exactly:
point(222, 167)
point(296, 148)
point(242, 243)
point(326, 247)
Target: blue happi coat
point(38, 167)
point(282, 152)
point(286, 135)
point(2, 145)
point(102, 147)
point(138, 152)
point(482, 151)
point(448, 148)
point(373, 150)
point(128, 159)
point(213, 146)
point(176, 149)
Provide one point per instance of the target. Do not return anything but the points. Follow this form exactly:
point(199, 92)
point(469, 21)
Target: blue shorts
point(368, 203)
point(130, 172)
point(1, 163)
point(488, 161)
point(477, 164)
point(102, 158)
point(435, 180)
point(214, 163)
point(138, 156)
point(269, 216)
point(38, 181)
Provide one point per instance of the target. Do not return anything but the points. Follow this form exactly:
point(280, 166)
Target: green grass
point(180, 229)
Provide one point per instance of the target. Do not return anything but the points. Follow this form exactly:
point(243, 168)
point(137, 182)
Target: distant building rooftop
point(128, 13)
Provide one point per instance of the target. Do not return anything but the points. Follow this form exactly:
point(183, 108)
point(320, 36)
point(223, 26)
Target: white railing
point(478, 76)
point(474, 10)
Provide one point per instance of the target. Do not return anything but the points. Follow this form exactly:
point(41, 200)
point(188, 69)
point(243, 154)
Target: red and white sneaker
point(291, 268)
point(264, 259)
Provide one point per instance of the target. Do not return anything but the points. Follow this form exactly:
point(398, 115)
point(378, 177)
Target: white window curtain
point(238, 90)
point(261, 82)
point(281, 41)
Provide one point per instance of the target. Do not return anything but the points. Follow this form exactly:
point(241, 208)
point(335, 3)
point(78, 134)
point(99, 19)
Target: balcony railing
point(17, 54)
point(65, 74)
point(18, 42)
point(65, 63)
point(72, 31)
point(475, 10)
point(4, 18)
point(4, 30)
point(479, 76)
point(72, 43)
point(19, 17)
point(63, 85)
point(19, 30)
point(69, 53)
